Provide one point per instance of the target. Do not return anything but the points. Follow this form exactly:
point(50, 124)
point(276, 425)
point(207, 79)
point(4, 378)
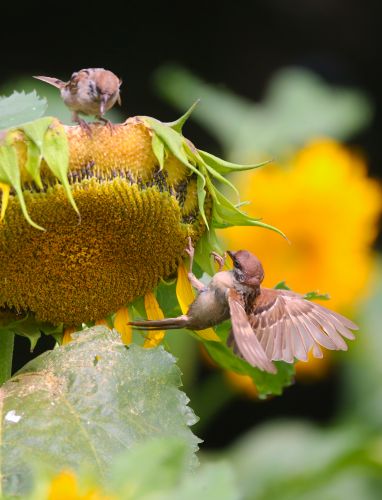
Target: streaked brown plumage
point(267, 324)
point(91, 91)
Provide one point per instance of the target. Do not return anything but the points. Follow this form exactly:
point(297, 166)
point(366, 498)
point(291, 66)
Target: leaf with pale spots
point(88, 402)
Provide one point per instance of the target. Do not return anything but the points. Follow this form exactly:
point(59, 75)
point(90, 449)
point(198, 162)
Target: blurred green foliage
point(297, 106)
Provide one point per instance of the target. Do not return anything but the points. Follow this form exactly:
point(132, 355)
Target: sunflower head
point(89, 223)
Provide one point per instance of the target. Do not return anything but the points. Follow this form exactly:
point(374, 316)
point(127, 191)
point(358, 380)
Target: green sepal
point(10, 174)
point(281, 285)
point(226, 167)
point(207, 244)
point(33, 162)
point(177, 145)
point(316, 296)
point(158, 149)
point(55, 151)
point(178, 124)
point(36, 130)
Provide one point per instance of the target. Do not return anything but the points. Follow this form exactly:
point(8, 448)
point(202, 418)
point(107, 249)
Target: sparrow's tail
point(52, 81)
point(162, 324)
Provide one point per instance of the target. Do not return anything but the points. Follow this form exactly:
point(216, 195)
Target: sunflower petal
point(153, 311)
point(186, 296)
point(120, 324)
point(67, 338)
point(5, 188)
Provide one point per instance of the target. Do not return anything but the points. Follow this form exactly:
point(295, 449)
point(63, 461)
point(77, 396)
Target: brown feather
point(288, 326)
point(244, 337)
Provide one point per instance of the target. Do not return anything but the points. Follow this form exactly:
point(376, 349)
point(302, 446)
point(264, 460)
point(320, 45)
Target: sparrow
point(91, 91)
point(267, 324)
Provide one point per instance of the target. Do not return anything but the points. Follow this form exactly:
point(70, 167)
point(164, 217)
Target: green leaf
point(55, 151)
point(87, 402)
point(10, 174)
point(266, 383)
point(20, 108)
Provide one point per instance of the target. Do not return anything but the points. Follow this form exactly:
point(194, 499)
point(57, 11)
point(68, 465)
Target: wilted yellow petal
point(153, 311)
point(5, 198)
point(120, 324)
point(102, 322)
point(68, 334)
point(185, 295)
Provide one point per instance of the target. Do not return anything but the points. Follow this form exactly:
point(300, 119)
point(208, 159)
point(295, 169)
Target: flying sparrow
point(267, 324)
point(91, 91)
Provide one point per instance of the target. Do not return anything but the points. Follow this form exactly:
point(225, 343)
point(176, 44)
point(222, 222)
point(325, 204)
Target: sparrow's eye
point(236, 264)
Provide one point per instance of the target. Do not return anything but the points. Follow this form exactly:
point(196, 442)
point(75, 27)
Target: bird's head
point(248, 270)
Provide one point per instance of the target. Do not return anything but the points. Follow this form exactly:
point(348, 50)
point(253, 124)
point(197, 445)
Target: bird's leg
point(82, 123)
point(197, 284)
point(220, 260)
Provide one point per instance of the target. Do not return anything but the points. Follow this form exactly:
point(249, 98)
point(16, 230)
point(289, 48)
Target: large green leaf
point(86, 402)
point(20, 108)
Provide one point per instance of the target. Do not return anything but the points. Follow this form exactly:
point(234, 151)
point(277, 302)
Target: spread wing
point(245, 339)
point(287, 326)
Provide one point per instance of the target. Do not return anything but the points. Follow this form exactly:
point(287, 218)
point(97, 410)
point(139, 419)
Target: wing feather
point(288, 326)
point(244, 337)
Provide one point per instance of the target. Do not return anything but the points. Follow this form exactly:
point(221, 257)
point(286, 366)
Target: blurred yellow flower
point(65, 487)
point(328, 207)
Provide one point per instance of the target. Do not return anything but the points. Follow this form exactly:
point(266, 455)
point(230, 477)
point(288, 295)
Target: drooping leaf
point(20, 108)
point(55, 151)
point(10, 174)
point(87, 402)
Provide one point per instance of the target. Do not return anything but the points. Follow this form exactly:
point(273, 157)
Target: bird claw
point(108, 124)
point(220, 260)
point(85, 127)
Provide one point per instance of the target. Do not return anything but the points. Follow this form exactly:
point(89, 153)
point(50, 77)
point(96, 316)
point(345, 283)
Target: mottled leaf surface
point(82, 404)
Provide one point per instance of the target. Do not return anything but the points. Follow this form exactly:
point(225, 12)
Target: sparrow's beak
point(231, 254)
point(104, 100)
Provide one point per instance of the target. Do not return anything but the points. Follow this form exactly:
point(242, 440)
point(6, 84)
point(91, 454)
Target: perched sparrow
point(267, 324)
point(90, 91)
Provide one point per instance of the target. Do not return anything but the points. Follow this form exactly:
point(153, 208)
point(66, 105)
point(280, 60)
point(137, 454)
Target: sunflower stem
point(6, 354)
